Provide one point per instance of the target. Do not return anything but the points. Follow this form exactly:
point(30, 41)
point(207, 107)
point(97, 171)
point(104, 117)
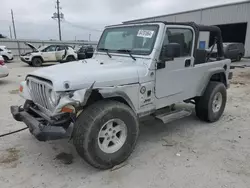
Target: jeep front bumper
point(42, 128)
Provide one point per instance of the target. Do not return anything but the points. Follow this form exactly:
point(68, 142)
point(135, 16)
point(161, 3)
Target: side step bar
point(173, 115)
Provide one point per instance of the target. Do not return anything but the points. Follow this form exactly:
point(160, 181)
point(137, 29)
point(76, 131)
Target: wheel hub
point(217, 102)
point(112, 136)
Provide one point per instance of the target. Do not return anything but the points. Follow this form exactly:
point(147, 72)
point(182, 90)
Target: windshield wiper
point(127, 51)
point(106, 50)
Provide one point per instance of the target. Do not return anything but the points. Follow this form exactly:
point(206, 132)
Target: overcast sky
point(33, 17)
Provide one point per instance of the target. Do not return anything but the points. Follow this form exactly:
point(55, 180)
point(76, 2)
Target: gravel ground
point(185, 153)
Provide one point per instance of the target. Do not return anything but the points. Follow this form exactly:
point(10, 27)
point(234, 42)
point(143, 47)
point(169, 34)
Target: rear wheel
point(37, 62)
point(70, 58)
point(105, 133)
point(211, 105)
point(239, 57)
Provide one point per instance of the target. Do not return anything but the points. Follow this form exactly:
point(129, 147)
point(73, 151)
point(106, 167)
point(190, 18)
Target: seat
point(200, 56)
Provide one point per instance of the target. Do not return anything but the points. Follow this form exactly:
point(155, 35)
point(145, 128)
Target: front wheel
point(211, 105)
point(37, 62)
point(105, 133)
point(5, 59)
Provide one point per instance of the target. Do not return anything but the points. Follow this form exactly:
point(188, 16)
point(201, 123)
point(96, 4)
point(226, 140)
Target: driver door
point(60, 53)
point(173, 77)
point(49, 53)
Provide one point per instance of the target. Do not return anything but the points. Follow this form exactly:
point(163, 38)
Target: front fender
point(77, 98)
point(117, 94)
point(128, 93)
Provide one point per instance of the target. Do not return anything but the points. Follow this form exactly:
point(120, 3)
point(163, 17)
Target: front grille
point(39, 91)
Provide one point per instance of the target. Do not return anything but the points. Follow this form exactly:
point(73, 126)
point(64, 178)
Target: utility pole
point(13, 22)
point(89, 36)
point(14, 29)
point(10, 32)
point(59, 16)
point(59, 19)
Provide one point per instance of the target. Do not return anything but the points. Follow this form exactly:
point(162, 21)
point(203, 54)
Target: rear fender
point(215, 71)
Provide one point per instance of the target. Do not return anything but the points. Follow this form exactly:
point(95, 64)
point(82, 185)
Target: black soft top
point(214, 31)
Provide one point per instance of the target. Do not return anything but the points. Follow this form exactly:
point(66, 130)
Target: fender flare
point(217, 71)
point(39, 56)
point(115, 94)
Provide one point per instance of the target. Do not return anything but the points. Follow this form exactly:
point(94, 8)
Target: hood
point(82, 74)
point(34, 49)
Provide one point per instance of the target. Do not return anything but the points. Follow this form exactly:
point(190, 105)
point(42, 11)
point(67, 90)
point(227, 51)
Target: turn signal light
point(68, 109)
point(21, 89)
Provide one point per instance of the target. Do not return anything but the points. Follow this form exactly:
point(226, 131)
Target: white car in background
point(6, 53)
point(3, 68)
point(51, 53)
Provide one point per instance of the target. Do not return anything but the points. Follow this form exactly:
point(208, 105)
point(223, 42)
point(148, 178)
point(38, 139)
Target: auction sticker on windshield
point(145, 33)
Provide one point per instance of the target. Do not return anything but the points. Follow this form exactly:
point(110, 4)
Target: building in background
point(233, 20)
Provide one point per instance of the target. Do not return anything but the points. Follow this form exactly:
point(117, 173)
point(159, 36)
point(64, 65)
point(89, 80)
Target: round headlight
point(53, 97)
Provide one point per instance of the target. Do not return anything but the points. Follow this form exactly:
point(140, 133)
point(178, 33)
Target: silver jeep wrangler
point(137, 70)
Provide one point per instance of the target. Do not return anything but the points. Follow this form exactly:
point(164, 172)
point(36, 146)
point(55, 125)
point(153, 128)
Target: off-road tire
point(5, 58)
point(203, 107)
point(37, 62)
point(88, 125)
point(70, 58)
point(239, 57)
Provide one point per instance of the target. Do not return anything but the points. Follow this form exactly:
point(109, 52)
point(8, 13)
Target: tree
point(2, 36)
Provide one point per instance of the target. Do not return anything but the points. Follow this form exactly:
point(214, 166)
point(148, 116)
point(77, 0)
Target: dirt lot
point(185, 153)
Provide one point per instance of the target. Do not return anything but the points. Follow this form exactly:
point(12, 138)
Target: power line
point(82, 27)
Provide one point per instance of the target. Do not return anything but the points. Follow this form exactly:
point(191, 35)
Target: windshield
point(40, 48)
point(137, 39)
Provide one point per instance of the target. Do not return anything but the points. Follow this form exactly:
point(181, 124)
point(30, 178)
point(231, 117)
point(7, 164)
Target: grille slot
point(39, 91)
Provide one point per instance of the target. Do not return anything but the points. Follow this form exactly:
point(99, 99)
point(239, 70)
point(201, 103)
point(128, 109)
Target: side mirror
point(170, 51)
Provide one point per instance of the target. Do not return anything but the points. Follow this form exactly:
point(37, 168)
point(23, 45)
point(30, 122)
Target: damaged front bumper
point(25, 59)
point(42, 127)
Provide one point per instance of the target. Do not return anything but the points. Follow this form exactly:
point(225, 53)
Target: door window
point(60, 48)
point(232, 47)
point(50, 49)
point(181, 36)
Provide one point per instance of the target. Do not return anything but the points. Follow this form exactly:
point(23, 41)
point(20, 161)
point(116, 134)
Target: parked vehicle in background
point(233, 51)
point(85, 52)
point(51, 53)
point(6, 53)
point(138, 70)
point(3, 68)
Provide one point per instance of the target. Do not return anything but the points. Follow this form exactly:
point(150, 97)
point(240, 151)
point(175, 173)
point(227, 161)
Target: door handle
point(187, 62)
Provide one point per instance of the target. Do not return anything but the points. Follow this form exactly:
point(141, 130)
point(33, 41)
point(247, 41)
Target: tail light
point(2, 62)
